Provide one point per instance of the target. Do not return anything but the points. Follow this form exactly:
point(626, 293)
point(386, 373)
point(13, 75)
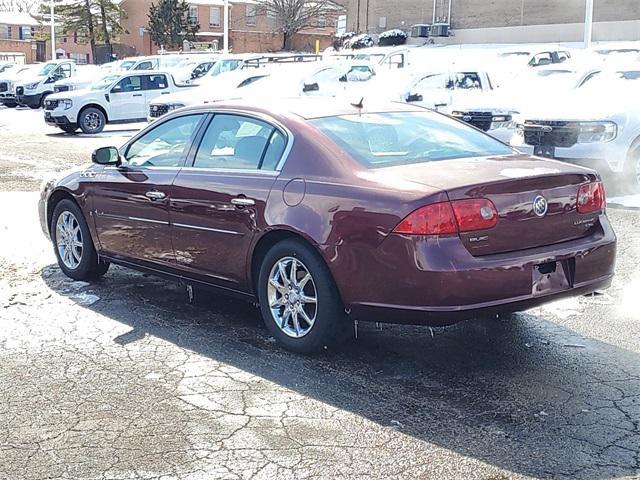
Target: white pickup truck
point(31, 90)
point(119, 98)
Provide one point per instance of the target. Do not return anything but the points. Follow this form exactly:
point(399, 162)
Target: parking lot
point(124, 378)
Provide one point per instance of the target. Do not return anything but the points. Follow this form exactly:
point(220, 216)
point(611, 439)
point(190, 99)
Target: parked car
point(325, 212)
point(8, 80)
point(465, 93)
point(211, 89)
point(596, 125)
point(32, 90)
point(120, 98)
point(191, 69)
point(85, 76)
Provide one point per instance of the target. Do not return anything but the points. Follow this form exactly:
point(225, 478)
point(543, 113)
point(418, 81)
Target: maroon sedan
point(325, 212)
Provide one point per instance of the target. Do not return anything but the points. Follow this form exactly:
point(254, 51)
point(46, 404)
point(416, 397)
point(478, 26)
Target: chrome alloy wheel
point(92, 121)
point(293, 298)
point(69, 240)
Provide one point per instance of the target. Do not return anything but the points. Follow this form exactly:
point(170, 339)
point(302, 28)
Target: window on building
point(322, 21)
point(193, 15)
point(9, 31)
point(251, 14)
point(26, 33)
point(4, 32)
point(75, 37)
point(214, 16)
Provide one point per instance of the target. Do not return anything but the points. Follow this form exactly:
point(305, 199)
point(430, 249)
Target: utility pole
point(226, 27)
point(588, 23)
point(53, 32)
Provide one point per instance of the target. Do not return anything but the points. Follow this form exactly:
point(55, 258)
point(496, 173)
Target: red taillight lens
point(475, 214)
point(450, 218)
point(591, 197)
point(434, 219)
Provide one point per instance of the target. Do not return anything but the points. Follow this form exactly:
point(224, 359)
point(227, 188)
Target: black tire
point(89, 267)
point(43, 98)
point(91, 120)
point(34, 107)
point(68, 128)
point(331, 326)
point(11, 105)
point(631, 174)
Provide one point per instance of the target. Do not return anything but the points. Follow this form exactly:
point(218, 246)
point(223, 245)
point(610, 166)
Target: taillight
point(434, 219)
point(591, 197)
point(448, 218)
point(475, 214)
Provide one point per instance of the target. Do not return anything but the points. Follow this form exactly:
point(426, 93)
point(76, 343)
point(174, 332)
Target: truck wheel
point(92, 121)
point(11, 105)
point(68, 128)
point(43, 98)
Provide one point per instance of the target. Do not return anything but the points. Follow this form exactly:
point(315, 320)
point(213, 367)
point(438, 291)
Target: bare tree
point(28, 6)
point(294, 15)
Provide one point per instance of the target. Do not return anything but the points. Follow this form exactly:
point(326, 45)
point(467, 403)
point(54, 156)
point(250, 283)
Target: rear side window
point(237, 142)
point(385, 139)
point(155, 82)
point(144, 66)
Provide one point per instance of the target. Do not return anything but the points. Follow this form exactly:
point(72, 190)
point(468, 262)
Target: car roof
point(313, 107)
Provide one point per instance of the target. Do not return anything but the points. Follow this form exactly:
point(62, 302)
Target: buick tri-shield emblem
point(540, 206)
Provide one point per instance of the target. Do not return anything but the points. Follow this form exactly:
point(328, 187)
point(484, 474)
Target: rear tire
point(72, 243)
point(288, 305)
point(92, 120)
point(10, 105)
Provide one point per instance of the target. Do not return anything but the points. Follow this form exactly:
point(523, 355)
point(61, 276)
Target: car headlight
point(175, 106)
point(594, 132)
point(66, 103)
point(503, 120)
point(31, 86)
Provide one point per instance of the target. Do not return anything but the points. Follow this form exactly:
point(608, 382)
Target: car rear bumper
point(32, 101)
point(436, 281)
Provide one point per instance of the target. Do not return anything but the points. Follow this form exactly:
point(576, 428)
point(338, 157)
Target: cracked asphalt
point(125, 379)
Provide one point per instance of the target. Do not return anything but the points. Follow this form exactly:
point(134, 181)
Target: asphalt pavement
point(125, 379)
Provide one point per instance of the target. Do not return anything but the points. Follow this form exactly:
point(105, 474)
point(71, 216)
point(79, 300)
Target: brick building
point(500, 20)
point(251, 28)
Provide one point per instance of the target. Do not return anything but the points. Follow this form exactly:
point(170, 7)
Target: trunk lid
point(513, 184)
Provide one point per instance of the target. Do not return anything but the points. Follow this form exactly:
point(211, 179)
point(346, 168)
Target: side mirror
point(415, 97)
point(106, 156)
point(311, 87)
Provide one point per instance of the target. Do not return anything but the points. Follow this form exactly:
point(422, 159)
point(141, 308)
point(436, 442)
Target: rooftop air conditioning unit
point(421, 30)
point(440, 30)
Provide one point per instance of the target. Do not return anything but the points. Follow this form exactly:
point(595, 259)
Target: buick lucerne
point(323, 212)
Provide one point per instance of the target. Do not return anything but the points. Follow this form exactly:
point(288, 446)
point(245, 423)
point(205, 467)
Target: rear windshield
point(385, 139)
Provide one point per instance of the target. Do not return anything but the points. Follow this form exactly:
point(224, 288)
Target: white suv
point(119, 98)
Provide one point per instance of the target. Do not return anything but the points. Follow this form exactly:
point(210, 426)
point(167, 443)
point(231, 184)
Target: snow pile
point(359, 41)
point(392, 37)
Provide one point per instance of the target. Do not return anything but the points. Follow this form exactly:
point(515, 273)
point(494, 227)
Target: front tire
point(68, 128)
point(72, 243)
point(299, 301)
point(92, 121)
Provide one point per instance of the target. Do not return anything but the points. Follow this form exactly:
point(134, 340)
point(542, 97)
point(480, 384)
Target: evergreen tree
point(169, 23)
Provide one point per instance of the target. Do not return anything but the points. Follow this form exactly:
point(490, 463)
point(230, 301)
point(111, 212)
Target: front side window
point(128, 84)
point(432, 82)
point(236, 142)
point(386, 139)
point(465, 80)
point(166, 145)
point(144, 66)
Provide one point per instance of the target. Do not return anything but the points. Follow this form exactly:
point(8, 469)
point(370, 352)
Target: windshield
point(386, 139)
point(104, 82)
point(127, 64)
point(608, 81)
point(46, 69)
point(224, 66)
point(169, 62)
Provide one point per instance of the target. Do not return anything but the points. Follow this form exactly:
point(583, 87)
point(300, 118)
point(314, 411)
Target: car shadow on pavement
point(522, 393)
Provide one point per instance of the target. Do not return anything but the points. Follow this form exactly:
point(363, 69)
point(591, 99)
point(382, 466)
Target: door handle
point(137, 95)
point(243, 202)
point(155, 195)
